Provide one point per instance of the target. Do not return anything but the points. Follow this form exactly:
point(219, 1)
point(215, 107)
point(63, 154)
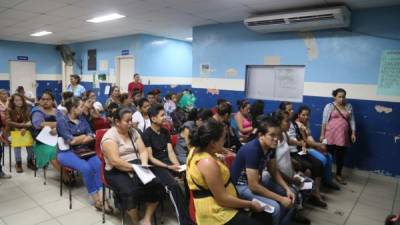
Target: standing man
point(135, 84)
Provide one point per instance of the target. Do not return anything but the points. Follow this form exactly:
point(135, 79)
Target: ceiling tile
point(39, 6)
point(104, 5)
point(10, 3)
point(206, 6)
point(71, 12)
point(277, 5)
point(359, 4)
point(16, 15)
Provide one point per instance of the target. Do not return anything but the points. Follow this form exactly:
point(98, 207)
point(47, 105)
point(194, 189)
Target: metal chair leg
point(104, 204)
point(2, 152)
point(34, 172)
point(9, 151)
point(70, 196)
point(61, 181)
point(44, 175)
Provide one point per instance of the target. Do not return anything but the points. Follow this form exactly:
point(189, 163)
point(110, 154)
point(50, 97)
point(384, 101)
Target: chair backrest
point(100, 123)
point(99, 135)
point(228, 159)
point(192, 210)
point(174, 140)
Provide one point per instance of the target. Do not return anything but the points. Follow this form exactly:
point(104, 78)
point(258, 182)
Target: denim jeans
point(17, 153)
point(281, 215)
point(327, 162)
point(90, 169)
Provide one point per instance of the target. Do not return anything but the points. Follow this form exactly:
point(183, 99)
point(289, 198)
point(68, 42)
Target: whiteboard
point(279, 83)
point(23, 73)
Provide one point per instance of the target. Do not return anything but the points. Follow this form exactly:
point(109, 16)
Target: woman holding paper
point(19, 122)
point(208, 178)
point(76, 149)
point(122, 147)
point(43, 116)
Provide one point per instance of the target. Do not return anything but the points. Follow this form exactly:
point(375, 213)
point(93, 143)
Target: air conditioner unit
point(306, 20)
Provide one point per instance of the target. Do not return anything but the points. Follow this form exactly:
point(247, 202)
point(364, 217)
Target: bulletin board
point(279, 83)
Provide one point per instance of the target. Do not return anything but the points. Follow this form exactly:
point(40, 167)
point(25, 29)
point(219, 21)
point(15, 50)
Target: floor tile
point(82, 216)
point(16, 205)
point(50, 222)
point(370, 212)
point(359, 220)
point(61, 207)
point(11, 193)
point(28, 217)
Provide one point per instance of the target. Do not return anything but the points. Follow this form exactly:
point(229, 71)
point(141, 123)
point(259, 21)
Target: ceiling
point(169, 18)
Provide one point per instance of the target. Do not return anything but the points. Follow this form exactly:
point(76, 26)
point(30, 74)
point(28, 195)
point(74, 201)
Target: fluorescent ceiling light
point(189, 39)
point(105, 18)
point(41, 33)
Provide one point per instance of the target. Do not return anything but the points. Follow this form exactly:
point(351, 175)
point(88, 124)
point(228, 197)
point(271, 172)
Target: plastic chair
point(99, 135)
point(174, 140)
point(101, 123)
point(70, 171)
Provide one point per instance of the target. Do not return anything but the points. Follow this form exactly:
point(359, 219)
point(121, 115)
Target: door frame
point(117, 67)
point(64, 75)
point(34, 84)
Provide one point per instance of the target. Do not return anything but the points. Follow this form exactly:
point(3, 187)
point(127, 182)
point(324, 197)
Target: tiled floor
point(24, 200)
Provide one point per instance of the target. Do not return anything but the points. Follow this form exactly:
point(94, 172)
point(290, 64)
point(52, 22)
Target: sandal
point(108, 209)
point(340, 180)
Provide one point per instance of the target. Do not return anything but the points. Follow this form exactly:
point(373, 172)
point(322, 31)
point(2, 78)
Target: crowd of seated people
point(273, 154)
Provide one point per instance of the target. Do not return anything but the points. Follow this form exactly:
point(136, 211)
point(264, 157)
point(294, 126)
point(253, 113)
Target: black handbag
point(84, 151)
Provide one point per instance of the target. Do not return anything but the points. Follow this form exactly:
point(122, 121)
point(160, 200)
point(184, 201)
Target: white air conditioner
point(306, 20)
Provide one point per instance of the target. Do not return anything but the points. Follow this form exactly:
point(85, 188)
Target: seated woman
point(316, 149)
point(140, 118)
point(45, 115)
point(208, 178)
point(222, 114)
point(123, 146)
point(243, 121)
point(127, 101)
point(88, 110)
point(196, 119)
point(79, 153)
point(19, 119)
point(113, 96)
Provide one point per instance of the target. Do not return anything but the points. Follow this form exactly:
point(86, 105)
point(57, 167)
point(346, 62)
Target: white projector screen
point(279, 83)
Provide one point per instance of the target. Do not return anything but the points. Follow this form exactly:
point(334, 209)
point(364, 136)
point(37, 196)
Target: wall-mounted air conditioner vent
point(316, 19)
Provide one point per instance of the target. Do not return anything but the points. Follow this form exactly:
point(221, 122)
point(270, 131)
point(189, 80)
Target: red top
point(133, 85)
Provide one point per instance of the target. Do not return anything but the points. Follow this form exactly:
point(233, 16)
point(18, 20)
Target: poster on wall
point(278, 83)
point(389, 73)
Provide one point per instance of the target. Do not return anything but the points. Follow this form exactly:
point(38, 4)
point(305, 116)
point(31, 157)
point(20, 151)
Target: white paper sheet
point(144, 173)
point(267, 208)
point(307, 186)
point(182, 168)
point(107, 89)
point(62, 145)
point(46, 138)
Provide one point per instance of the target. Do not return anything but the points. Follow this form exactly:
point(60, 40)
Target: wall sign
point(22, 58)
point(125, 52)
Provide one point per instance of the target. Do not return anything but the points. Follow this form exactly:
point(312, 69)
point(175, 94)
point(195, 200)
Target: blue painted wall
point(48, 60)
point(343, 57)
point(154, 56)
